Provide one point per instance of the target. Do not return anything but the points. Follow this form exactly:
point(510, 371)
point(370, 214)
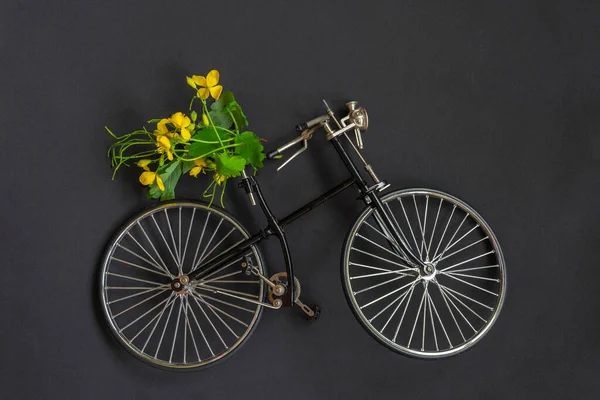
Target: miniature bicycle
point(183, 284)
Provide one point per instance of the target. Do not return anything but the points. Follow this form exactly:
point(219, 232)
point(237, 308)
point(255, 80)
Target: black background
point(494, 102)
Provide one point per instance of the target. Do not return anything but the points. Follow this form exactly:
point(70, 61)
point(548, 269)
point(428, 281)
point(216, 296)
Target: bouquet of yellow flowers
point(214, 141)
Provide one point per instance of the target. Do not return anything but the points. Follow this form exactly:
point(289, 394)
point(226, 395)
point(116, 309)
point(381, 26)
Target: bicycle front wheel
point(201, 321)
point(440, 308)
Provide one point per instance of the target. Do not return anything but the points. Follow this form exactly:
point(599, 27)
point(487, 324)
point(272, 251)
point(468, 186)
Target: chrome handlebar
point(357, 120)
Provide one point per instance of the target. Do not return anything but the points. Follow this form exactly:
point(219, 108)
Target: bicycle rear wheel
point(441, 308)
point(192, 326)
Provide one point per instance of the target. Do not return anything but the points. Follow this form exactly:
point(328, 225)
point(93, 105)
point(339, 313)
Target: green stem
point(209, 153)
point(223, 192)
point(237, 128)
point(205, 108)
point(210, 141)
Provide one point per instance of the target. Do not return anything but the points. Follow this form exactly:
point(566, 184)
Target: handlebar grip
point(311, 123)
point(272, 154)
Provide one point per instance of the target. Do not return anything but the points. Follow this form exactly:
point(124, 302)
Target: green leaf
point(153, 192)
point(224, 109)
point(238, 115)
point(228, 165)
point(186, 166)
point(208, 134)
point(170, 178)
point(221, 119)
point(251, 149)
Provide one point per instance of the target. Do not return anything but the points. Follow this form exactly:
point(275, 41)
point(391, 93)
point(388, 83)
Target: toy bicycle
point(183, 284)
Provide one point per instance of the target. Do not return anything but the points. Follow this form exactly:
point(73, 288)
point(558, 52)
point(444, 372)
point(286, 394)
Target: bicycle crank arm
point(306, 309)
point(260, 303)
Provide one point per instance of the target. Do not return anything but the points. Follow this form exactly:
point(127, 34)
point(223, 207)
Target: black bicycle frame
point(275, 226)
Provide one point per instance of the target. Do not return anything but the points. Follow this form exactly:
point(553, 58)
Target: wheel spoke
point(219, 318)
point(476, 268)
point(216, 246)
point(164, 240)
point(412, 289)
point(466, 297)
point(165, 328)
point(163, 288)
point(149, 322)
point(454, 273)
point(377, 274)
point(371, 267)
point(380, 258)
point(411, 229)
point(208, 244)
point(380, 246)
point(463, 304)
point(171, 296)
point(457, 241)
point(178, 260)
point(422, 228)
point(470, 284)
point(153, 262)
point(189, 326)
point(151, 245)
point(143, 315)
point(425, 302)
point(453, 236)
point(386, 295)
point(199, 242)
point(137, 304)
point(432, 304)
point(450, 310)
point(212, 325)
point(176, 329)
point(464, 248)
point(187, 240)
point(399, 298)
point(138, 266)
point(466, 261)
point(381, 284)
point(214, 307)
point(214, 288)
point(399, 227)
point(402, 297)
point(445, 294)
point(221, 301)
point(153, 283)
point(434, 226)
point(437, 347)
point(201, 331)
point(416, 319)
point(444, 233)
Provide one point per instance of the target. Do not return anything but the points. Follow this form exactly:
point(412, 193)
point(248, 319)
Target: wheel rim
point(192, 325)
point(438, 309)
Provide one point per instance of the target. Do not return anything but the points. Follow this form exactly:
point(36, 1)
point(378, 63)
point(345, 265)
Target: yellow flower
point(163, 145)
point(219, 178)
point(200, 164)
point(208, 86)
point(182, 122)
point(161, 126)
point(148, 177)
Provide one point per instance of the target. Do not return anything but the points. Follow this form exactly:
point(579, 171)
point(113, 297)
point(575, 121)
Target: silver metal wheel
point(190, 325)
point(435, 310)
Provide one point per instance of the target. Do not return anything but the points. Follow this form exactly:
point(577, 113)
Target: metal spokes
point(199, 323)
point(441, 307)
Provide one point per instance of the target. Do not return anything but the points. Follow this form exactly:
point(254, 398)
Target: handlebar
point(357, 120)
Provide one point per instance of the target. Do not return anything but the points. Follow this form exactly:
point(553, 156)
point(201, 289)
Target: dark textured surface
point(495, 103)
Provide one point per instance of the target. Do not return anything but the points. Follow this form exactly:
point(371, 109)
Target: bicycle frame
point(369, 195)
